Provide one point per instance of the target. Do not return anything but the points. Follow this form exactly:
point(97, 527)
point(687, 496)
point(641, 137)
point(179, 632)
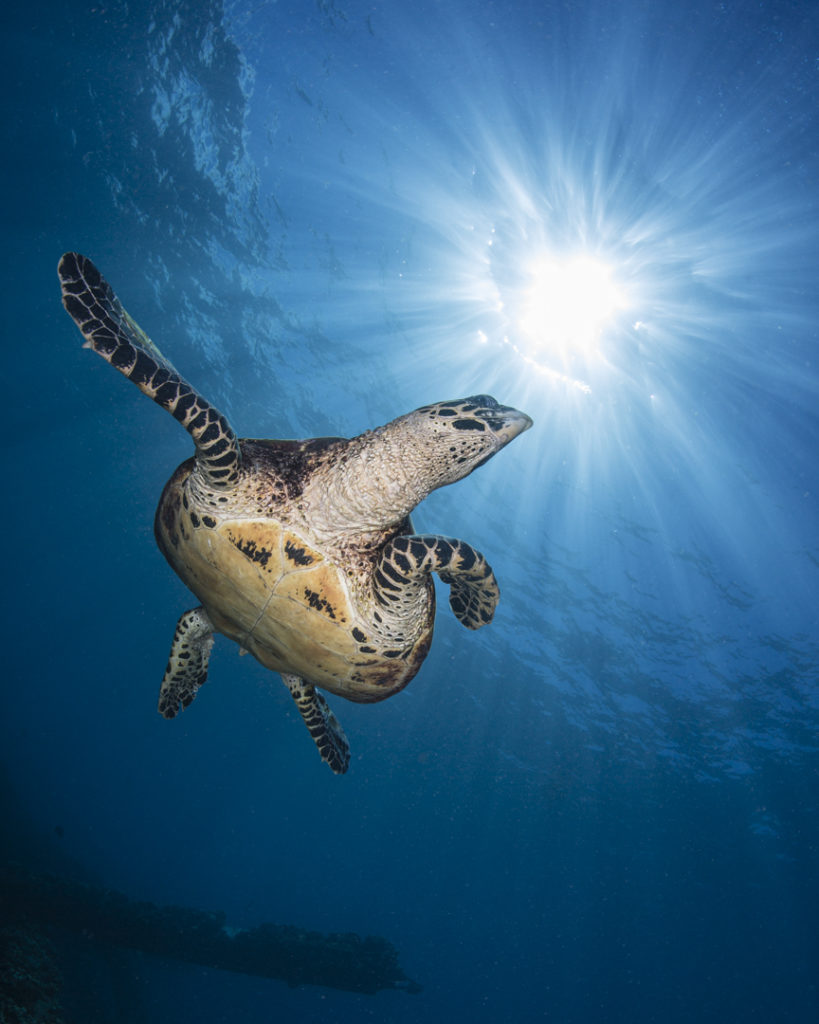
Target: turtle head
point(458, 436)
point(384, 473)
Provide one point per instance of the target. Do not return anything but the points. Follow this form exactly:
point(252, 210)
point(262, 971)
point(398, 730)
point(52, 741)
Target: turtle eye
point(483, 401)
point(476, 402)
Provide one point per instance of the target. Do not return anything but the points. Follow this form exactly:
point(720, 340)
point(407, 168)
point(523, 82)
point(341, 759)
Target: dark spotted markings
point(407, 560)
point(321, 723)
point(297, 555)
point(319, 603)
point(112, 334)
point(253, 551)
point(187, 667)
point(361, 639)
point(288, 464)
point(386, 591)
point(400, 574)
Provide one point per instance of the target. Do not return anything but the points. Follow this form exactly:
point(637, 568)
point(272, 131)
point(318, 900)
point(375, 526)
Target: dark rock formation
point(298, 957)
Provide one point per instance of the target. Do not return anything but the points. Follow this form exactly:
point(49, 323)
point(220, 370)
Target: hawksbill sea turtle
point(303, 551)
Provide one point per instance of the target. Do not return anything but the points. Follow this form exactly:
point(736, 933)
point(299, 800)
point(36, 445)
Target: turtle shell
point(296, 608)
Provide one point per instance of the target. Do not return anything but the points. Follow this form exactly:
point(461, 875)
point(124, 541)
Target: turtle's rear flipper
point(322, 724)
point(474, 592)
point(113, 334)
point(188, 662)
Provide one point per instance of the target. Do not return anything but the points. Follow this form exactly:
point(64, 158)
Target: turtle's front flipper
point(322, 724)
point(474, 592)
point(111, 333)
point(188, 662)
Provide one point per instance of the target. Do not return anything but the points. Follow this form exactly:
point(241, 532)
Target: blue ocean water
point(601, 808)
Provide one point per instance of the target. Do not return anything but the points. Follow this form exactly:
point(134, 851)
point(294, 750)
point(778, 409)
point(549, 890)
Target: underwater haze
point(602, 807)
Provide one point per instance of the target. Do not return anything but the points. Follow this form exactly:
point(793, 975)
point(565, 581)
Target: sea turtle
point(303, 551)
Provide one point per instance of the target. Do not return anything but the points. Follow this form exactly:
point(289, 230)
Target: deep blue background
point(604, 806)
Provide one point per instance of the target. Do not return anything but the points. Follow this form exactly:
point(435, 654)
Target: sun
point(566, 305)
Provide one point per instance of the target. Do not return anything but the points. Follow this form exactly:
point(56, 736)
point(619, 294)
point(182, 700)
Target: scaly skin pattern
point(302, 551)
point(300, 607)
point(187, 666)
point(112, 334)
point(321, 723)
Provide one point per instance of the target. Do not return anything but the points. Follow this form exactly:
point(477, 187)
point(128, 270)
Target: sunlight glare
point(568, 303)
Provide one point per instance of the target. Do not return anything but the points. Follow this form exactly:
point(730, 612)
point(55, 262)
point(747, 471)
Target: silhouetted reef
point(30, 980)
point(298, 957)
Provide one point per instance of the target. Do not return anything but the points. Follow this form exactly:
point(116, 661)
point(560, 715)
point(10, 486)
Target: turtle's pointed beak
point(504, 421)
point(514, 423)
